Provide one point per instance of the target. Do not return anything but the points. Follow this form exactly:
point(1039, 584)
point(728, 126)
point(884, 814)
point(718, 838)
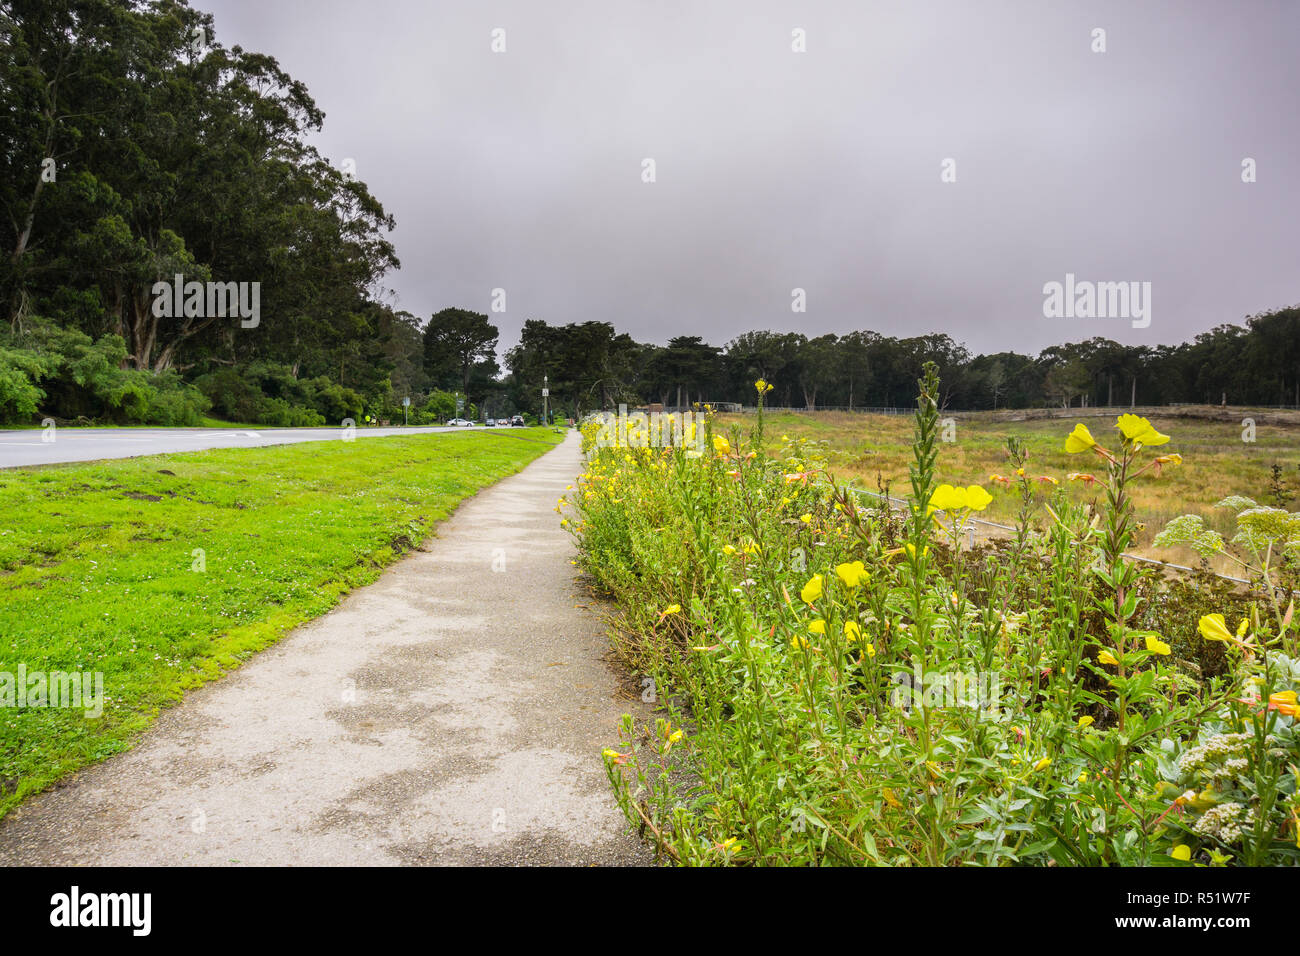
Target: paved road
point(18, 448)
point(445, 714)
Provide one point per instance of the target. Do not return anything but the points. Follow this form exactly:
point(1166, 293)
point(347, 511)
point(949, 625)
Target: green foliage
point(170, 161)
point(19, 395)
point(839, 686)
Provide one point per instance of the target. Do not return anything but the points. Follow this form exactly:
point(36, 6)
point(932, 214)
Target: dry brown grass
point(1216, 462)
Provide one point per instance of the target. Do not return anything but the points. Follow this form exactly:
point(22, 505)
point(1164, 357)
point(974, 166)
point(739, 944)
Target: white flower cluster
point(1224, 822)
point(1190, 530)
point(1213, 750)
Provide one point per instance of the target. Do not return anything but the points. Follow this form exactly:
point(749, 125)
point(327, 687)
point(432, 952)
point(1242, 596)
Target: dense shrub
point(19, 395)
point(266, 394)
point(45, 368)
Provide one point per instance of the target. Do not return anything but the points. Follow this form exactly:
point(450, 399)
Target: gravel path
point(449, 713)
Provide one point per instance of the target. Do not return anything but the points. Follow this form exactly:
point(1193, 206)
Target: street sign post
point(406, 410)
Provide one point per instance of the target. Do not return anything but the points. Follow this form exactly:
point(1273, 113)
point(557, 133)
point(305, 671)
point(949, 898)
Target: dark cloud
point(819, 170)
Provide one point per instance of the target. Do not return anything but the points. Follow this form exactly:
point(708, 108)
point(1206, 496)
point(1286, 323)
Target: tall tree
point(455, 340)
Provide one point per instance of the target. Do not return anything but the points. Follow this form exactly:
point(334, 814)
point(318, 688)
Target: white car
point(458, 422)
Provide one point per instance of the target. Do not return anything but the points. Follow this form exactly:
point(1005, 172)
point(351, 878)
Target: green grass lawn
point(99, 567)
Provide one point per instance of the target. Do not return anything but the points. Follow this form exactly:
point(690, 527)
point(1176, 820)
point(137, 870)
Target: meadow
point(868, 450)
point(165, 571)
point(840, 682)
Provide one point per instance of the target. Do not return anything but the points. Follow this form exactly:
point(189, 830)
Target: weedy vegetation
point(840, 682)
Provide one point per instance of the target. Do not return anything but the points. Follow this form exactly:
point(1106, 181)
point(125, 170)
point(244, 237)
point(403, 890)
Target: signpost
point(406, 410)
point(546, 394)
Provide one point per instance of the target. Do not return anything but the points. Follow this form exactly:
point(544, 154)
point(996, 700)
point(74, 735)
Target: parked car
point(517, 421)
point(458, 422)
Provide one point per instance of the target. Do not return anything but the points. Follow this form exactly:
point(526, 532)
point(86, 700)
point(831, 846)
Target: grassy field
point(1216, 462)
point(163, 572)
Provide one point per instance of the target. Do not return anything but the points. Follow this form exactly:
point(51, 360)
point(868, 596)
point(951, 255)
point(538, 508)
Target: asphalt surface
point(453, 712)
point(27, 447)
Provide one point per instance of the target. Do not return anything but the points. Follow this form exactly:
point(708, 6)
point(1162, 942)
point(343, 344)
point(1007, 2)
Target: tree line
point(592, 366)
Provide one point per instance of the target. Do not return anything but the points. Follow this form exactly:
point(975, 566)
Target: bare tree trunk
point(1133, 399)
point(25, 235)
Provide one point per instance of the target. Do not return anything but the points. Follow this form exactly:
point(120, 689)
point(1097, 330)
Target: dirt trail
point(446, 714)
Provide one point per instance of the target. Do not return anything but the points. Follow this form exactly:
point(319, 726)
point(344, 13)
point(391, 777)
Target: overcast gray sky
point(819, 170)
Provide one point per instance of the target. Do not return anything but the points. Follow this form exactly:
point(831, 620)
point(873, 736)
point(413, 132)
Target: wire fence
point(801, 409)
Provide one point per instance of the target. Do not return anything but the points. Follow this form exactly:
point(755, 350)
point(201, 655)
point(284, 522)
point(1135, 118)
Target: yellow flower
point(948, 498)
point(852, 574)
point(891, 799)
point(1213, 628)
point(721, 445)
point(852, 632)
point(806, 518)
point(728, 549)
point(1079, 440)
point(871, 650)
point(1085, 722)
point(797, 641)
point(763, 387)
point(817, 627)
point(1181, 852)
point(1138, 430)
point(1106, 657)
point(1242, 628)
point(911, 550)
point(1156, 646)
point(977, 499)
point(812, 590)
point(1043, 764)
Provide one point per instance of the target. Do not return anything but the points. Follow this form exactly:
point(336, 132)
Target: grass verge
point(165, 571)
